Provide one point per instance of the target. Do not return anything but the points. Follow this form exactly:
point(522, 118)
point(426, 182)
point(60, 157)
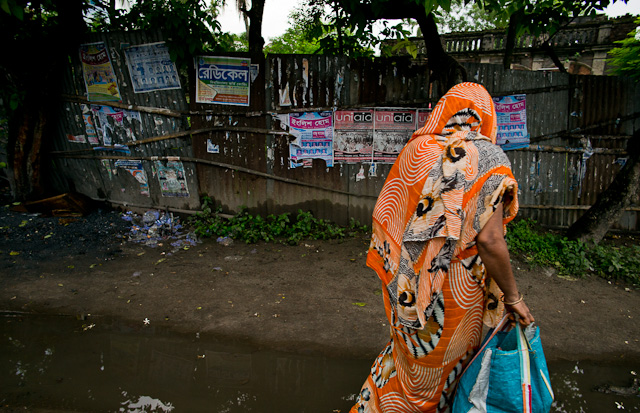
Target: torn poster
point(106, 163)
point(223, 80)
point(99, 77)
point(353, 140)
point(314, 137)
point(392, 130)
point(151, 68)
point(89, 125)
point(512, 121)
point(172, 178)
point(134, 167)
point(117, 125)
point(212, 148)
point(76, 138)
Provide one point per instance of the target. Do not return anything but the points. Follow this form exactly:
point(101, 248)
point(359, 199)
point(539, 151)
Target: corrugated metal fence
point(578, 126)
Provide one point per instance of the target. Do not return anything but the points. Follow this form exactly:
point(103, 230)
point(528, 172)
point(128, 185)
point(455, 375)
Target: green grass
point(544, 248)
point(283, 228)
point(540, 247)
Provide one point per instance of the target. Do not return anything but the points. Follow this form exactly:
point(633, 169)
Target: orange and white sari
point(441, 191)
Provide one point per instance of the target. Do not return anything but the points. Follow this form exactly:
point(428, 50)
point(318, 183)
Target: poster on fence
point(423, 117)
point(313, 133)
point(151, 68)
point(171, 178)
point(134, 167)
point(223, 80)
point(512, 121)
point(89, 124)
point(392, 130)
point(97, 72)
point(353, 136)
point(117, 126)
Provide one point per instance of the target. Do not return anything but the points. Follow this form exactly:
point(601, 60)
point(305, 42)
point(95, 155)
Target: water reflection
point(63, 364)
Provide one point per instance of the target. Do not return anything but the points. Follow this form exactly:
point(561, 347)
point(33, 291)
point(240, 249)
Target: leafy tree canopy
point(625, 59)
point(468, 17)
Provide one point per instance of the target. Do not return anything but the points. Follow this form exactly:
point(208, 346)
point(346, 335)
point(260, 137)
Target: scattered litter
point(88, 327)
point(154, 227)
point(233, 258)
point(216, 269)
point(360, 304)
point(137, 274)
point(620, 406)
point(146, 321)
point(201, 356)
point(226, 241)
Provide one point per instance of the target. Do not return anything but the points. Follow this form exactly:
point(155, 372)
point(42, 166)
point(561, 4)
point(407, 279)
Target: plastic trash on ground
point(158, 227)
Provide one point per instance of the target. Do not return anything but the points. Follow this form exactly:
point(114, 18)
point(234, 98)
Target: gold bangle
point(513, 302)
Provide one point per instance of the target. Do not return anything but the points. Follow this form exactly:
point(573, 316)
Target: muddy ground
point(316, 298)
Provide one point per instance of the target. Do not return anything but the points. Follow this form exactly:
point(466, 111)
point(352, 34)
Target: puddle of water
point(63, 364)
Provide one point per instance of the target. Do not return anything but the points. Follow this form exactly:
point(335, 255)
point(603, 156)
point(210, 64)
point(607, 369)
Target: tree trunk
point(256, 41)
point(546, 46)
point(609, 206)
point(511, 40)
point(445, 70)
point(24, 152)
point(31, 124)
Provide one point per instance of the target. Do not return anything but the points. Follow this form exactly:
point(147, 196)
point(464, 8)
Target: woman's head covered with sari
point(465, 107)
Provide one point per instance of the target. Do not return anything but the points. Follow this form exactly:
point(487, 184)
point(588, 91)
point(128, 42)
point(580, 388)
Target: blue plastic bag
point(508, 374)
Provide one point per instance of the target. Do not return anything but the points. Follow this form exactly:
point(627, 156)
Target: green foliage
point(292, 42)
point(190, 26)
point(274, 228)
point(625, 60)
point(467, 16)
point(544, 248)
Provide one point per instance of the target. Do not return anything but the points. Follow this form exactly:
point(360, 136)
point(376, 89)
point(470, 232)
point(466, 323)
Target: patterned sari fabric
point(441, 191)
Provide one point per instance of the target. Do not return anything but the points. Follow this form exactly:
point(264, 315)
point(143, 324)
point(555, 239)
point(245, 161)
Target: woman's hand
point(522, 310)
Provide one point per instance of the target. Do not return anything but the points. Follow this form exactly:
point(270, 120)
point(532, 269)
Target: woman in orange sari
point(438, 246)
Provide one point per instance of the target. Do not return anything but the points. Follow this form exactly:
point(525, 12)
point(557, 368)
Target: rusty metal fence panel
point(161, 136)
point(559, 175)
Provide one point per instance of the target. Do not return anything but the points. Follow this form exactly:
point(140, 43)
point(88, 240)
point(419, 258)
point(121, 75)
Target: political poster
point(117, 126)
point(171, 178)
point(512, 121)
point(392, 130)
point(223, 80)
point(151, 68)
point(353, 136)
point(313, 133)
point(98, 74)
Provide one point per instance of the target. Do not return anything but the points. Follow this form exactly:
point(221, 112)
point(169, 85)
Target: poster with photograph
point(99, 77)
point(171, 178)
point(353, 136)
point(117, 126)
point(151, 68)
point(223, 80)
point(512, 121)
point(392, 130)
point(314, 137)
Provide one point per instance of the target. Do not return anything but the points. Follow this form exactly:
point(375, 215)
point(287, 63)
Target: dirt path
point(317, 297)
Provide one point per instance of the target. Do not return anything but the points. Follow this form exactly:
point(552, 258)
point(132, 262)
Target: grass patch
point(544, 248)
point(283, 228)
